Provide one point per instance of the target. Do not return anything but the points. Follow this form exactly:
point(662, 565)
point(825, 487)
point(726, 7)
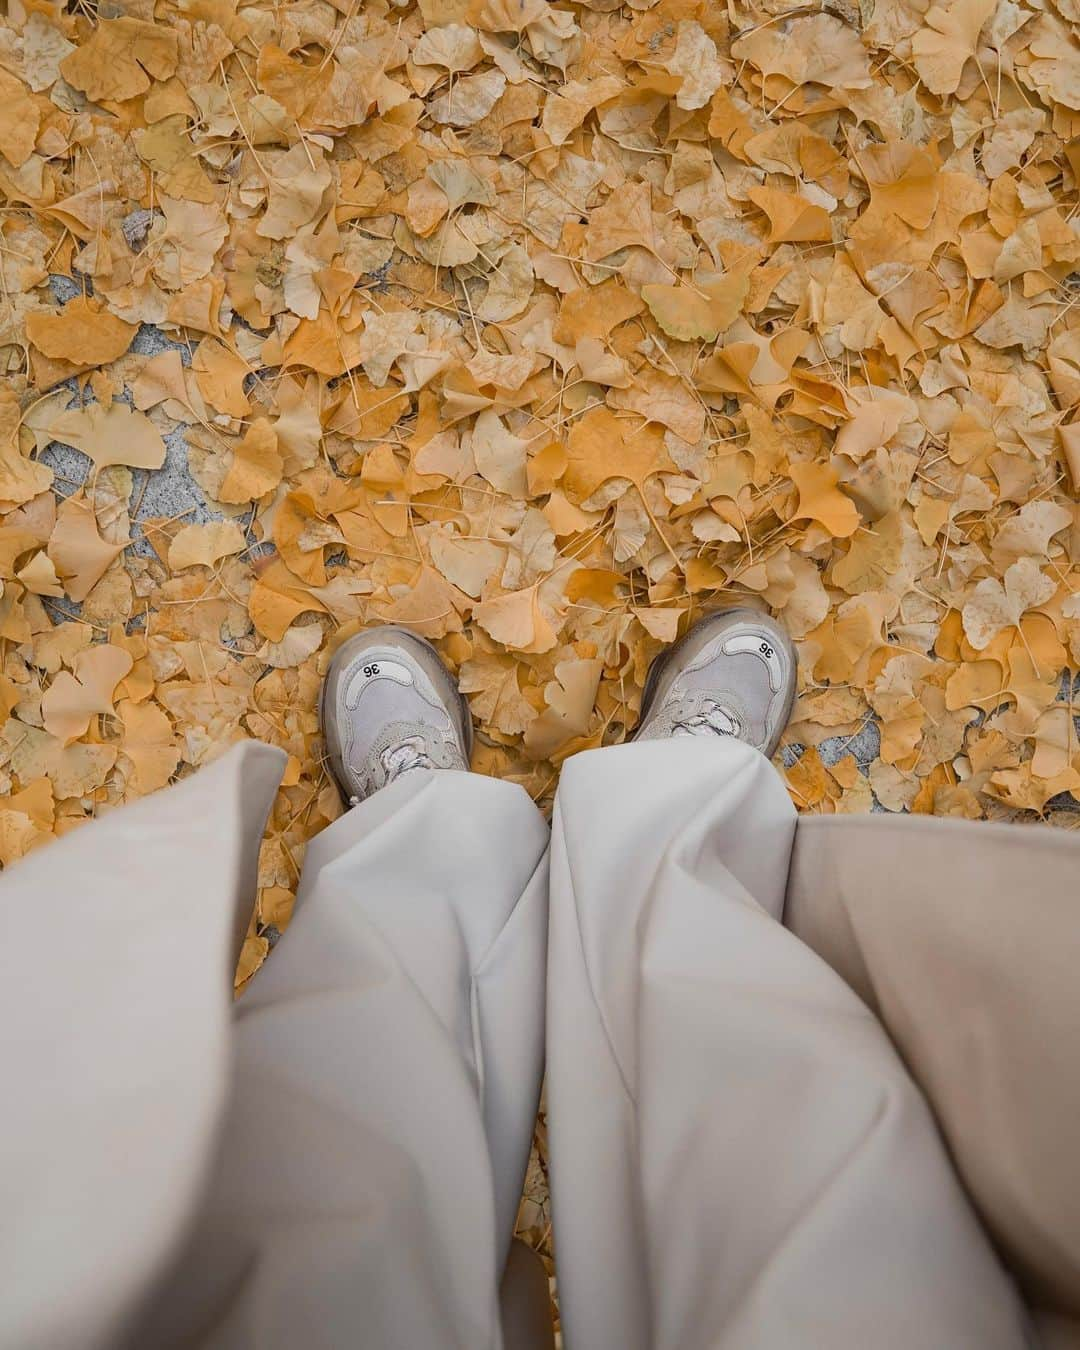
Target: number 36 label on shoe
point(376, 670)
point(757, 646)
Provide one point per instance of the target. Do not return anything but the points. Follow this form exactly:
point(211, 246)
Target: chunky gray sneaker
point(733, 674)
point(390, 705)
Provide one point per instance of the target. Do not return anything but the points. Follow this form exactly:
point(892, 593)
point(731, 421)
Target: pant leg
point(738, 1158)
point(388, 1063)
point(963, 938)
point(117, 949)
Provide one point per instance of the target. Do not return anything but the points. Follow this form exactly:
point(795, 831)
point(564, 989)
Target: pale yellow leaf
point(994, 606)
point(73, 699)
point(204, 545)
point(113, 435)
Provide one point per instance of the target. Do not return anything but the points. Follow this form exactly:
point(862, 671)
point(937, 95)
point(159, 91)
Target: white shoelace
point(712, 717)
point(399, 759)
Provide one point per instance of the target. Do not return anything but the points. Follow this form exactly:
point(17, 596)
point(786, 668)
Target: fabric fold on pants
point(387, 1074)
point(738, 1158)
point(963, 937)
point(117, 949)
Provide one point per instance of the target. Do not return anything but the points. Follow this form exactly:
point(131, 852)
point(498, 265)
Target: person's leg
point(388, 1059)
point(738, 1158)
point(117, 949)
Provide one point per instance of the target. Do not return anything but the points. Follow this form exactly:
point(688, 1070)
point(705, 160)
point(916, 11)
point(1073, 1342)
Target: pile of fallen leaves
point(541, 329)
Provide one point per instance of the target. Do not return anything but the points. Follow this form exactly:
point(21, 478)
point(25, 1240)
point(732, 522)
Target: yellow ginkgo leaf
point(820, 499)
point(454, 46)
point(204, 545)
point(491, 681)
point(466, 563)
point(113, 435)
point(515, 620)
point(73, 699)
point(220, 374)
point(948, 42)
point(994, 606)
point(39, 576)
point(593, 311)
point(256, 467)
point(427, 605)
point(596, 585)
point(18, 835)
point(704, 310)
point(975, 684)
point(792, 219)
point(83, 332)
point(20, 119)
point(78, 552)
point(571, 697)
point(277, 599)
point(598, 449)
point(296, 645)
point(119, 57)
point(148, 744)
point(160, 378)
point(660, 623)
